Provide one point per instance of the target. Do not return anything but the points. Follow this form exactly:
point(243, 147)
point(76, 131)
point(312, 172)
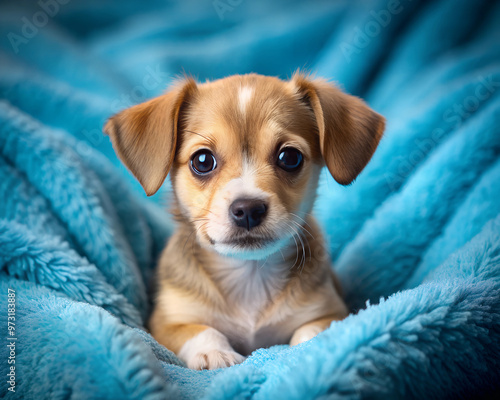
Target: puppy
point(247, 266)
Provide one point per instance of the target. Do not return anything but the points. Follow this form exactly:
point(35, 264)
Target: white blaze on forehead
point(244, 96)
point(245, 185)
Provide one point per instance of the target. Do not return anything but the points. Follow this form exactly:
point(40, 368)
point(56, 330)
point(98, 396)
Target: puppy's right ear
point(145, 136)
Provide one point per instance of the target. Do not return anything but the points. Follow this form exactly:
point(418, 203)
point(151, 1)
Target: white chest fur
point(250, 288)
point(253, 303)
point(250, 285)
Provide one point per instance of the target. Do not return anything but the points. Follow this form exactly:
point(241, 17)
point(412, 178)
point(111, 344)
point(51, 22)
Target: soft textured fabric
point(415, 239)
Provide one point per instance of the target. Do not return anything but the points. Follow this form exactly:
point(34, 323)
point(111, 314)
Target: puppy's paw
point(209, 349)
point(214, 359)
point(305, 333)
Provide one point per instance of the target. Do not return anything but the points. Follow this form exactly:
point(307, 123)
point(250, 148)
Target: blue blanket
point(415, 240)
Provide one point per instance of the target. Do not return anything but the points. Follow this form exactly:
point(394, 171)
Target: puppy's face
point(245, 153)
point(247, 164)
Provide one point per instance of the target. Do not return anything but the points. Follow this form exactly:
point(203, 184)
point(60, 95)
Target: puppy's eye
point(203, 162)
point(290, 159)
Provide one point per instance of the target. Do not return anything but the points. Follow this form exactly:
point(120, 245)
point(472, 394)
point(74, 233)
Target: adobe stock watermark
point(31, 26)
point(224, 6)
point(153, 78)
point(11, 340)
point(363, 36)
point(454, 116)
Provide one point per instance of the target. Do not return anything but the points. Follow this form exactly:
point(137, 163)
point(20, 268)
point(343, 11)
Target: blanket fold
point(415, 240)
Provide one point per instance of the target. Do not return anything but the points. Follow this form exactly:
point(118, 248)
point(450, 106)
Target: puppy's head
point(244, 153)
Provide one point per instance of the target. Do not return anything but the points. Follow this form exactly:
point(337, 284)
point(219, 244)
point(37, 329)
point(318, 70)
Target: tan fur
point(173, 336)
point(349, 130)
point(145, 136)
point(283, 290)
point(200, 290)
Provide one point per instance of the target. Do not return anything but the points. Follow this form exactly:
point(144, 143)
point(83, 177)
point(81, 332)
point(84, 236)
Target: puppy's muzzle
point(248, 213)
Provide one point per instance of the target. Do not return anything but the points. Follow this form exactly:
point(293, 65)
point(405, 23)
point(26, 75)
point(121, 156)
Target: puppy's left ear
point(349, 131)
point(145, 136)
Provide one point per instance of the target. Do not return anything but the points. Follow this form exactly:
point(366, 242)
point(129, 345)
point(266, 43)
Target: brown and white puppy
point(246, 267)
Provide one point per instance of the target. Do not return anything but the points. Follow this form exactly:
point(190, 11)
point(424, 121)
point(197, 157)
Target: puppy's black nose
point(248, 213)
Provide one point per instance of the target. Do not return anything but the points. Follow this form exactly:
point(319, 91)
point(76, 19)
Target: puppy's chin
point(249, 248)
point(249, 252)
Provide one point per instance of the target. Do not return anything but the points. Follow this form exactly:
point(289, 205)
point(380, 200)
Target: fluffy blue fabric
point(415, 240)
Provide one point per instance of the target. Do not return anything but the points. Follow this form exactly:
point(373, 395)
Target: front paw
point(214, 359)
point(305, 333)
point(209, 349)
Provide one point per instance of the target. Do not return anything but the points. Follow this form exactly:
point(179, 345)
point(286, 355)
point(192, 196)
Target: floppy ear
point(145, 136)
point(349, 130)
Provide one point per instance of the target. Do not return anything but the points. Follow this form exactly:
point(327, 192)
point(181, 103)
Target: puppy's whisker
point(200, 219)
point(207, 210)
point(204, 209)
point(194, 230)
point(299, 218)
point(259, 169)
point(304, 223)
point(306, 239)
point(208, 139)
point(265, 262)
point(302, 228)
point(294, 232)
point(309, 214)
point(184, 247)
point(303, 259)
point(303, 241)
point(199, 228)
point(286, 126)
